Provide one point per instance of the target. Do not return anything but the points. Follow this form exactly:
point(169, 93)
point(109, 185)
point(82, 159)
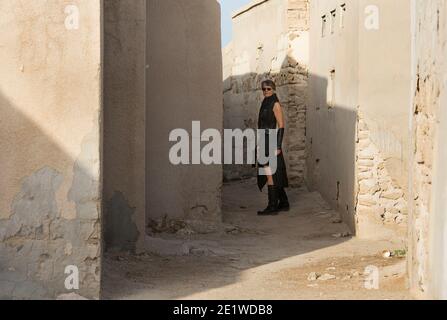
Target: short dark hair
point(269, 83)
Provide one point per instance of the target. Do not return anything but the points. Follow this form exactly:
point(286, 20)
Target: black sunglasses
point(267, 89)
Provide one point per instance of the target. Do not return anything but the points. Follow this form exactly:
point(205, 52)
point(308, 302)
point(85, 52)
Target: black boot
point(283, 200)
point(272, 209)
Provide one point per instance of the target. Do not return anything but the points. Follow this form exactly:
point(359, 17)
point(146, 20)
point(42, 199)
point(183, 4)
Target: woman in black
point(271, 117)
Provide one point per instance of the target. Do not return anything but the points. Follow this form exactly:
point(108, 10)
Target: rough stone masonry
point(427, 223)
point(381, 204)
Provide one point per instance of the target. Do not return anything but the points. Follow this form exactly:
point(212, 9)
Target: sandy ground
point(253, 257)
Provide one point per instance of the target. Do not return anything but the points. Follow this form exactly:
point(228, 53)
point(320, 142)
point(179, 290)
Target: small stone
point(363, 135)
point(337, 235)
point(68, 249)
point(346, 278)
point(366, 155)
point(327, 277)
point(366, 163)
point(331, 269)
point(365, 175)
point(313, 276)
point(393, 194)
point(355, 274)
point(187, 231)
point(386, 254)
point(367, 201)
point(364, 169)
point(389, 217)
point(342, 235)
point(200, 252)
point(368, 187)
point(336, 220)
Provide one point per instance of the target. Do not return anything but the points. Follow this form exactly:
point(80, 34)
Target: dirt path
point(255, 257)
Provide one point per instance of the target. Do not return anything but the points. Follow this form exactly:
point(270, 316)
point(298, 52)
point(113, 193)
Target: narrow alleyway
point(259, 258)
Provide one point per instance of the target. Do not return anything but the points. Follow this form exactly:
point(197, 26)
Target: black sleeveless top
point(267, 119)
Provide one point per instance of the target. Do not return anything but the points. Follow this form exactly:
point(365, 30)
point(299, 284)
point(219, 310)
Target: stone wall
point(428, 248)
point(332, 108)
point(50, 143)
point(357, 119)
point(298, 15)
point(382, 209)
point(277, 51)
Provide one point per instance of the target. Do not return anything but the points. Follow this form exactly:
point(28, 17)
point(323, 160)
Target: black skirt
point(280, 178)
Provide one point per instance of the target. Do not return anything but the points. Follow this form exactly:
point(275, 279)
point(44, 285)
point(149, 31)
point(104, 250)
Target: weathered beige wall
point(332, 111)
point(255, 46)
point(428, 223)
point(124, 124)
point(184, 84)
point(384, 99)
point(385, 83)
point(270, 41)
point(50, 148)
point(358, 114)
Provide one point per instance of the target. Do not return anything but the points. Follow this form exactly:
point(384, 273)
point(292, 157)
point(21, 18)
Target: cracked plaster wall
point(50, 159)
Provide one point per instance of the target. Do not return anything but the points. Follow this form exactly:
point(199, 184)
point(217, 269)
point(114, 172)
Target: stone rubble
point(378, 195)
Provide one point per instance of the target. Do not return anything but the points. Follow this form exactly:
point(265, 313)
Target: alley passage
point(306, 253)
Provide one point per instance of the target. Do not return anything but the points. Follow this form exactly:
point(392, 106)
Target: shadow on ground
point(259, 257)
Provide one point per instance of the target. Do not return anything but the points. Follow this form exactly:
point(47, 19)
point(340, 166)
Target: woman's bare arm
point(279, 115)
point(280, 119)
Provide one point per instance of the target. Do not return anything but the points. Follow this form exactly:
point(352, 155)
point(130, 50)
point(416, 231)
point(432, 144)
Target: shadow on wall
point(348, 169)
point(49, 209)
point(331, 137)
point(124, 124)
point(184, 84)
